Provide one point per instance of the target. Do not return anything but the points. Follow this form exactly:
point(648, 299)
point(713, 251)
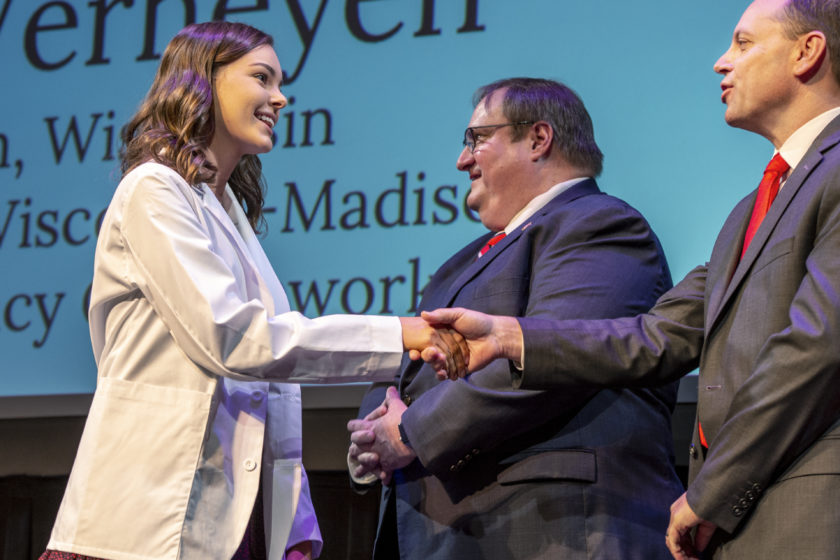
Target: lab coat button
point(257, 396)
point(249, 464)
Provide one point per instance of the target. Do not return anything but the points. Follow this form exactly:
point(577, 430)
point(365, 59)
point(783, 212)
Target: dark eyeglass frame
point(469, 133)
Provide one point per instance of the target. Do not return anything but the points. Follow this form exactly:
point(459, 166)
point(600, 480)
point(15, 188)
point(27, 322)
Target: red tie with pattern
point(767, 191)
point(493, 240)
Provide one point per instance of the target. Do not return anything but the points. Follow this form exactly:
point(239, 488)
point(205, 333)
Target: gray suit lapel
point(719, 276)
point(812, 159)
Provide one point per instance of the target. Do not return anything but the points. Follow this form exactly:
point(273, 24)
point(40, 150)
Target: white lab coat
point(184, 310)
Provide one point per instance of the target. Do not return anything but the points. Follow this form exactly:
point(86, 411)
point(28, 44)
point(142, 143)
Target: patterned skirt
point(56, 555)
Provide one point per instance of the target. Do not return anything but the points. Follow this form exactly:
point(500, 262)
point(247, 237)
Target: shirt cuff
point(365, 480)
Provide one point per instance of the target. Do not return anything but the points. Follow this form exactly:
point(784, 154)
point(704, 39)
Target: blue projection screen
point(364, 201)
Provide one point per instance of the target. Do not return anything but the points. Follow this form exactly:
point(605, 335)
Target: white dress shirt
point(795, 147)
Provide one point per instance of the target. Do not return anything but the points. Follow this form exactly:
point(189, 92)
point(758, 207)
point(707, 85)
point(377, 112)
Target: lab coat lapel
point(254, 275)
point(256, 252)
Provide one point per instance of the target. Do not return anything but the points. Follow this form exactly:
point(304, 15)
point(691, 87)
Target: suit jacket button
point(407, 400)
point(737, 512)
point(692, 451)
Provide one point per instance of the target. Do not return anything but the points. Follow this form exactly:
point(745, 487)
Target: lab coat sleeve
point(187, 266)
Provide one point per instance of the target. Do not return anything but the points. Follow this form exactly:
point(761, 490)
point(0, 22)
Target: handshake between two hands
point(457, 341)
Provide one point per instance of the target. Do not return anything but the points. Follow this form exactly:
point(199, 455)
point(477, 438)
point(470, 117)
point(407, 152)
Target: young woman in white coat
point(192, 448)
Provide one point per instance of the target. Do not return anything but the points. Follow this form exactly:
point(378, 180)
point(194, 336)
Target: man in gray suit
point(761, 318)
point(480, 470)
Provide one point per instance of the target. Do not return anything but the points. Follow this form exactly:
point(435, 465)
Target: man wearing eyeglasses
point(474, 469)
point(761, 317)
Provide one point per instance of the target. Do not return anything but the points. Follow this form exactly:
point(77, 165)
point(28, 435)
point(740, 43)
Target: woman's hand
point(488, 337)
point(441, 346)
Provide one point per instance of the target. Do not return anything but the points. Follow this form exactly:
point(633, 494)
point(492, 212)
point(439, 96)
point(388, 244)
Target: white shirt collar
point(539, 201)
point(795, 147)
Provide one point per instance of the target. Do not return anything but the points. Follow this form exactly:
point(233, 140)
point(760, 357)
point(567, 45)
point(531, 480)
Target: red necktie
point(767, 191)
point(493, 240)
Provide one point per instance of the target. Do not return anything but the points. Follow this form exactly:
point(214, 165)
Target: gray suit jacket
point(764, 331)
point(540, 474)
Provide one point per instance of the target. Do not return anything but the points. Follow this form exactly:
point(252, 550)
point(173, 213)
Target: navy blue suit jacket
point(505, 473)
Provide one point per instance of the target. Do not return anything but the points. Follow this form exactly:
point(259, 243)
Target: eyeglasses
point(469, 133)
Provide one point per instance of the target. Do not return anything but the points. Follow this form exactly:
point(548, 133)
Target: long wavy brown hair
point(174, 124)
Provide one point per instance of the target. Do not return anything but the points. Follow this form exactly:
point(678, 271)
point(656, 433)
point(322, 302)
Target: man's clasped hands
point(459, 342)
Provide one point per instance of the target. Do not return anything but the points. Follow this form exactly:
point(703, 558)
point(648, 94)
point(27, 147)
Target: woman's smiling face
point(247, 100)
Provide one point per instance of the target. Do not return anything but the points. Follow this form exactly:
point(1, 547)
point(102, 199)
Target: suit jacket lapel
point(464, 266)
point(720, 276)
point(452, 268)
point(810, 161)
point(479, 264)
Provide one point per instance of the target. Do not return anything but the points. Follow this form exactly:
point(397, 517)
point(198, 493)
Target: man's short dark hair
point(535, 99)
point(801, 16)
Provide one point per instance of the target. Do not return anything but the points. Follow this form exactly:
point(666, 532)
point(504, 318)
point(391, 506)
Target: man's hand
point(488, 337)
point(360, 460)
point(678, 537)
point(380, 437)
point(442, 346)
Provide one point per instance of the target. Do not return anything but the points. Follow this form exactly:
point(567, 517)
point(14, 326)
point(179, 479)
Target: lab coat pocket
point(138, 457)
point(287, 474)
